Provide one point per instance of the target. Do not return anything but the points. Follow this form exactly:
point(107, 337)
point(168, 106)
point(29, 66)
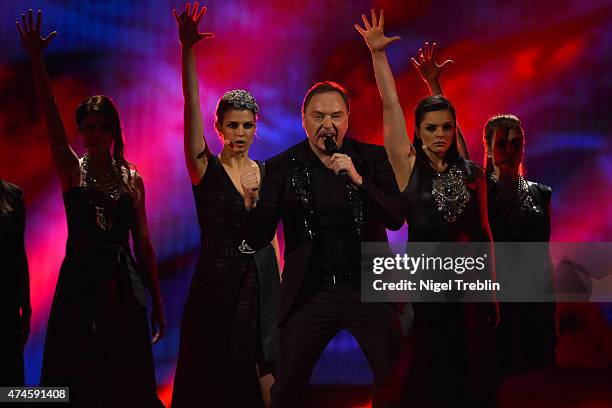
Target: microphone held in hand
point(330, 149)
point(330, 145)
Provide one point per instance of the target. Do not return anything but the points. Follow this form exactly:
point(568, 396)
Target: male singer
point(332, 193)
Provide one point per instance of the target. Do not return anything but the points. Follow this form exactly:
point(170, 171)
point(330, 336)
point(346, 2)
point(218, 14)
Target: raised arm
point(397, 144)
point(430, 72)
point(64, 159)
point(194, 144)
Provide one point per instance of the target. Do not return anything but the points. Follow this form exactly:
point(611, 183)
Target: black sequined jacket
point(286, 196)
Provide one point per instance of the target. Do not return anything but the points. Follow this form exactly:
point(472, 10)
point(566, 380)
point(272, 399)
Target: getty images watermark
point(417, 264)
point(482, 272)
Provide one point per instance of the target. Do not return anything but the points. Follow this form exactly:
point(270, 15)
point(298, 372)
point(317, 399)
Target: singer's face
point(437, 131)
point(325, 116)
point(507, 147)
point(97, 132)
point(237, 130)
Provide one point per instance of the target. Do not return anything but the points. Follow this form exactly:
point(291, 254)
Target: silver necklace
point(450, 193)
point(104, 190)
point(515, 201)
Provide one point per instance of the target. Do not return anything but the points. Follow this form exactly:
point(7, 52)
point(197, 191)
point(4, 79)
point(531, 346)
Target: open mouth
point(327, 134)
point(239, 143)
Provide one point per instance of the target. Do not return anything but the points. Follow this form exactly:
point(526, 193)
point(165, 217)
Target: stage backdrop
point(546, 61)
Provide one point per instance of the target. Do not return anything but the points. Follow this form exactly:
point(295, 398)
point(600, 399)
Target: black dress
point(452, 344)
point(98, 340)
point(14, 273)
point(527, 334)
point(229, 322)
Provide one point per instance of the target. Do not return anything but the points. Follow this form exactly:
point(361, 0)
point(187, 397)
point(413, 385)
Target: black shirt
point(337, 243)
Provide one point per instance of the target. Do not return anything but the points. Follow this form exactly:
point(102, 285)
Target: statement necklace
point(515, 200)
point(104, 190)
point(450, 193)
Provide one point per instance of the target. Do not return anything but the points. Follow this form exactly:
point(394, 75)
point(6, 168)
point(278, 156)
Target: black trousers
point(305, 334)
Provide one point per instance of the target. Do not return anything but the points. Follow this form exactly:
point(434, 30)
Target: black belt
point(120, 255)
point(213, 247)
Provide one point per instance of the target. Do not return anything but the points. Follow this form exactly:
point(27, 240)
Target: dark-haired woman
point(519, 211)
point(15, 309)
point(98, 340)
point(228, 333)
point(444, 200)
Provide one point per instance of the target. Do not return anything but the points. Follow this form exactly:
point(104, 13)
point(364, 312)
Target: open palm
point(188, 24)
point(426, 66)
point(374, 34)
point(31, 39)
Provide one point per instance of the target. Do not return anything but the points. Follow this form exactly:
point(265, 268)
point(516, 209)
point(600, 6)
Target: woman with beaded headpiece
point(98, 340)
point(518, 211)
point(228, 333)
point(444, 200)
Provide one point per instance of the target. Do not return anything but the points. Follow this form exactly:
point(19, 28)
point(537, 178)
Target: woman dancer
point(98, 340)
point(443, 197)
point(228, 333)
point(519, 211)
point(15, 309)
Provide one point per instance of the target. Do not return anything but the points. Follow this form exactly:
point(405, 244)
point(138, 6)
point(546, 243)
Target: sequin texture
point(450, 193)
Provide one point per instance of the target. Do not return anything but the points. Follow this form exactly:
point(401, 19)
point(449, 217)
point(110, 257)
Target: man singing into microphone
point(332, 193)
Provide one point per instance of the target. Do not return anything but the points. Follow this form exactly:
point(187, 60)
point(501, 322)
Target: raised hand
point(188, 22)
point(31, 39)
point(427, 67)
point(374, 34)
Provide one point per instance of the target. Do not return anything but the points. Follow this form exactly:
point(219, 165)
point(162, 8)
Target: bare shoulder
point(254, 166)
point(136, 177)
point(137, 180)
point(134, 183)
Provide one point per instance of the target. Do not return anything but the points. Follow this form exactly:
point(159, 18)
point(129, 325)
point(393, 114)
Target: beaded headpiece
point(240, 100)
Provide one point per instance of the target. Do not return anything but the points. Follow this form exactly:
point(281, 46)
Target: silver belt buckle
point(245, 248)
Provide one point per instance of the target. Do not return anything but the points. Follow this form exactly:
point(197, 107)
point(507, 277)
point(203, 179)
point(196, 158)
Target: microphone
point(425, 148)
point(330, 149)
point(330, 145)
